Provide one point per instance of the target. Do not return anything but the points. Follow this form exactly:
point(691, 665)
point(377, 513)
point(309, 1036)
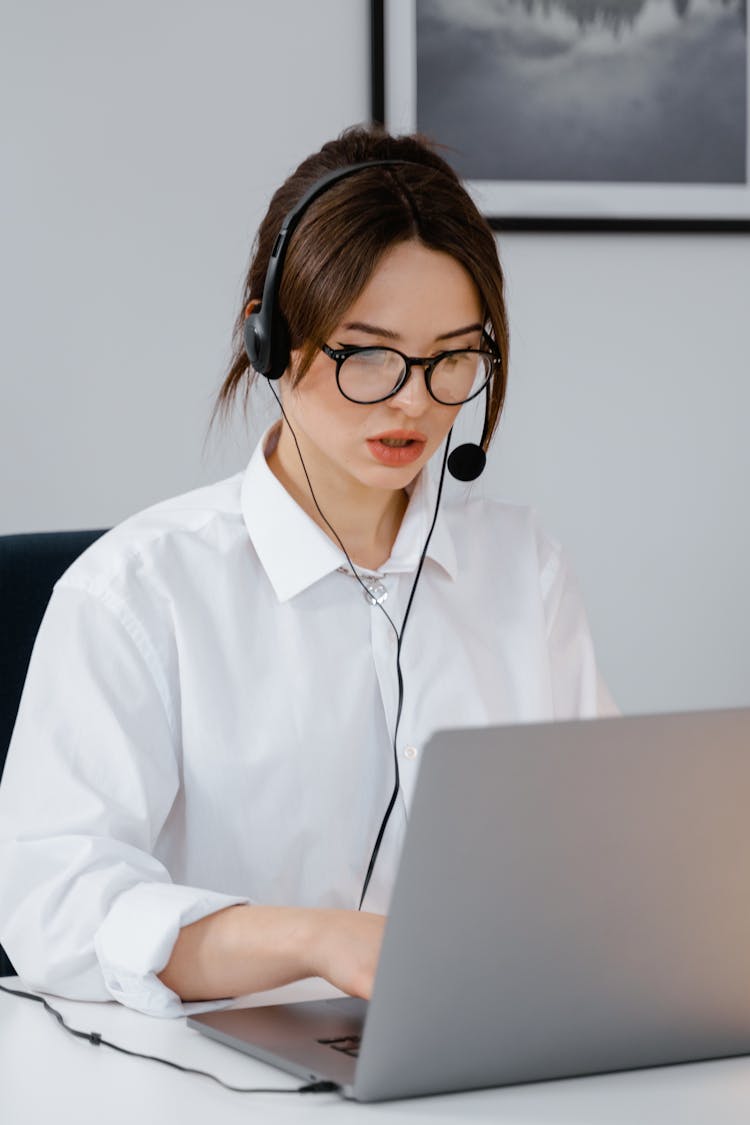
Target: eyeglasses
point(368, 375)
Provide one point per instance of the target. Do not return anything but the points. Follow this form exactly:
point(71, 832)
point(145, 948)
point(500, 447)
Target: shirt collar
point(295, 552)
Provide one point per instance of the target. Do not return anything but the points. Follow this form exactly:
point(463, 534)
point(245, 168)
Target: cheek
point(326, 415)
point(444, 420)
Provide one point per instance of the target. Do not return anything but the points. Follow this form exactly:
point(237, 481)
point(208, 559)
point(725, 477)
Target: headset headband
point(266, 333)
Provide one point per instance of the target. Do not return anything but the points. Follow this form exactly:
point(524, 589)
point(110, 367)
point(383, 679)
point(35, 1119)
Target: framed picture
point(576, 114)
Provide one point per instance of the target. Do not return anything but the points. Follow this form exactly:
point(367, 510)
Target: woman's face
point(421, 302)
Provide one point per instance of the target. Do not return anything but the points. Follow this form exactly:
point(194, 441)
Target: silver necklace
point(375, 592)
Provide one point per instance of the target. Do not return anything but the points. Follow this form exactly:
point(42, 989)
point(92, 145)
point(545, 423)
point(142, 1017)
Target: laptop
point(572, 898)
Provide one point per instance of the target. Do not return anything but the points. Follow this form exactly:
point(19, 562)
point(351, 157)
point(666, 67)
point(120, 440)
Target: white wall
point(627, 425)
point(141, 147)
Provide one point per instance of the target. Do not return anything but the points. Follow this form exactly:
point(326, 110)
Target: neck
point(366, 519)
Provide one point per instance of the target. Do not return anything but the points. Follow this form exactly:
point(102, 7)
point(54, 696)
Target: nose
point(413, 398)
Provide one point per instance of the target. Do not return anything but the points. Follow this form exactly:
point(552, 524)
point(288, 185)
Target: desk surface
point(46, 1075)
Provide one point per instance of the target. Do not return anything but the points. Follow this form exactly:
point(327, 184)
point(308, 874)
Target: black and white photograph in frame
point(577, 113)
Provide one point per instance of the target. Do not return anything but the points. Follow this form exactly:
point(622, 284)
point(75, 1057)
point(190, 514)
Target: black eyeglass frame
point(427, 363)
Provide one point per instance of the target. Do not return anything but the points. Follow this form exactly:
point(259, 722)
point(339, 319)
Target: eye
point(374, 357)
point(459, 359)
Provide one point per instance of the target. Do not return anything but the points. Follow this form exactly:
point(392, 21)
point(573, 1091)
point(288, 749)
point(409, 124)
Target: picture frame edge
point(550, 224)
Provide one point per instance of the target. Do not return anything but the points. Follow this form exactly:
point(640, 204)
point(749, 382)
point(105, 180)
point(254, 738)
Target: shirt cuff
point(135, 942)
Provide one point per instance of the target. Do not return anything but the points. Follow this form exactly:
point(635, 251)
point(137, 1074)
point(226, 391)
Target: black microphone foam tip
point(467, 462)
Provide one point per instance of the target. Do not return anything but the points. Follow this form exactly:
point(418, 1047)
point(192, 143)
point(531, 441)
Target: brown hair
point(344, 233)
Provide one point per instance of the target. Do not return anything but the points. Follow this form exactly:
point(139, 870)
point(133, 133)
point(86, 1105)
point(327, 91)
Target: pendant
point(375, 592)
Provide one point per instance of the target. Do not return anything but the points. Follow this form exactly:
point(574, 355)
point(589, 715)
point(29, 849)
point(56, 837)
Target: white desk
point(48, 1076)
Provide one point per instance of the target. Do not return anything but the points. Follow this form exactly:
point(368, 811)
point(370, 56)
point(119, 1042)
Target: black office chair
point(29, 567)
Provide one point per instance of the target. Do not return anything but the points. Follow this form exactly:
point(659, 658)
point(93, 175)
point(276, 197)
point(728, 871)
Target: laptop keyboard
point(346, 1044)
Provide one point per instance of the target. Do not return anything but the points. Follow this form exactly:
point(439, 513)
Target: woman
point(208, 783)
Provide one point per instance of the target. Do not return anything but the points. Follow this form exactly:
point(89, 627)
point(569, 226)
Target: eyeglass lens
point(373, 373)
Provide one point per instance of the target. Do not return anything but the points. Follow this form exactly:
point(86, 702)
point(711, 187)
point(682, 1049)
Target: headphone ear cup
point(256, 342)
point(267, 351)
point(279, 351)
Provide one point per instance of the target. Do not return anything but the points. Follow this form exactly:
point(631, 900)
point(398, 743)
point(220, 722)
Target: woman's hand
point(244, 949)
point(345, 948)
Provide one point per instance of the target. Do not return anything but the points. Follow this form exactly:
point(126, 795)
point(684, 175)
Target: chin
point(391, 477)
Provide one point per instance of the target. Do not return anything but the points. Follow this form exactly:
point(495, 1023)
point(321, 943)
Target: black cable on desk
point(96, 1039)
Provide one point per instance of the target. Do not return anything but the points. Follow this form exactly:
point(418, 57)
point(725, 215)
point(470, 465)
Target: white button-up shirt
point(209, 712)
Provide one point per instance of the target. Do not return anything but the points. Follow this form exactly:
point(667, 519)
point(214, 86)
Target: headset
point(266, 333)
point(267, 344)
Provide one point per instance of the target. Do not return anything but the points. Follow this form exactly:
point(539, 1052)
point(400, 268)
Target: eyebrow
point(386, 333)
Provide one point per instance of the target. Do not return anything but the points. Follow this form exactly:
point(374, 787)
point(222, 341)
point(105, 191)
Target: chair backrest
point(30, 564)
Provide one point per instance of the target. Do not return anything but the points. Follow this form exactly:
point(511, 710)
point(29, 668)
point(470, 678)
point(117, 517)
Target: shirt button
point(410, 752)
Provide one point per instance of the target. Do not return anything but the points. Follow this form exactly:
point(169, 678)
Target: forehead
point(417, 291)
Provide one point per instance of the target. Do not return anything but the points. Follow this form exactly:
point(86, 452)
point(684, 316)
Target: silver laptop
point(572, 898)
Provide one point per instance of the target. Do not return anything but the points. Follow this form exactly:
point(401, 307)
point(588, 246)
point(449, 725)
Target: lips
point(397, 447)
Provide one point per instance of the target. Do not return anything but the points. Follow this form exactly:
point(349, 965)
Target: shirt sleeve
point(93, 769)
point(578, 688)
